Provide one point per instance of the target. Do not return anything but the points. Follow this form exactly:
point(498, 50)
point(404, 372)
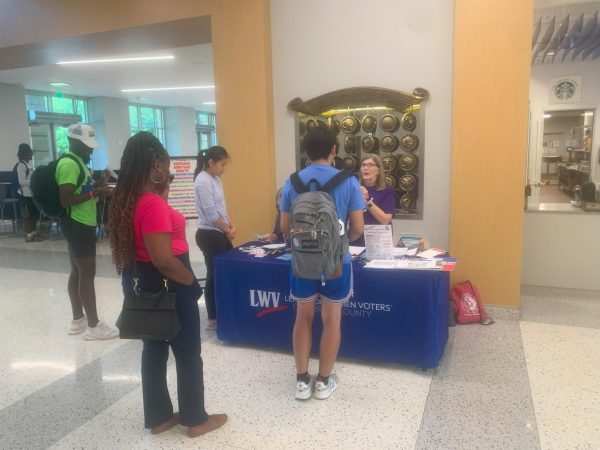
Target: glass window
point(36, 102)
point(80, 108)
point(62, 105)
point(147, 118)
point(60, 140)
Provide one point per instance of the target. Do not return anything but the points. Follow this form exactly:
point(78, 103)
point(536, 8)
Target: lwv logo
point(265, 299)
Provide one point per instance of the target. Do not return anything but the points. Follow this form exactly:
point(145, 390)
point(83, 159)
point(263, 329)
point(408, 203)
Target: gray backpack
point(318, 236)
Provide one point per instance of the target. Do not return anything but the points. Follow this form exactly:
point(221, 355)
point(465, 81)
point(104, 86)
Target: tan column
point(492, 51)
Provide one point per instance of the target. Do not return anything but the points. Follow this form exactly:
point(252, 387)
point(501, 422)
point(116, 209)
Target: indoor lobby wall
point(492, 51)
point(242, 70)
point(324, 46)
point(13, 123)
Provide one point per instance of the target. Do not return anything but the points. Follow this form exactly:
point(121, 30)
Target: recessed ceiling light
point(112, 60)
point(59, 84)
point(209, 103)
point(178, 88)
point(549, 53)
point(547, 116)
point(142, 99)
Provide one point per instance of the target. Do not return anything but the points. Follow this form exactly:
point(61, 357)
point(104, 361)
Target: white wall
point(561, 250)
point(14, 128)
point(324, 46)
point(180, 131)
point(539, 97)
point(110, 119)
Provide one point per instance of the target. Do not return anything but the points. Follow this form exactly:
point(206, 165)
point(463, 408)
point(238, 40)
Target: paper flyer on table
point(379, 241)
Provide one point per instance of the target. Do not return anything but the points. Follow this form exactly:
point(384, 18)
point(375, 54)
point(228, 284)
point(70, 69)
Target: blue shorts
point(337, 290)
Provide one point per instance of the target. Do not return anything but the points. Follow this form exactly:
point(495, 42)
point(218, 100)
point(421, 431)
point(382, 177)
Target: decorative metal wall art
point(368, 120)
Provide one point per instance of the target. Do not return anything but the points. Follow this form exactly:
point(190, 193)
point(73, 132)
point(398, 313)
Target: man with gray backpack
point(321, 211)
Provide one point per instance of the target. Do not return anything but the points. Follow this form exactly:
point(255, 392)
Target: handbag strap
point(136, 279)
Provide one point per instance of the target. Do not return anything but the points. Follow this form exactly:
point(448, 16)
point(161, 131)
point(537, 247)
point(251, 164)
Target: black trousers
point(186, 349)
point(211, 242)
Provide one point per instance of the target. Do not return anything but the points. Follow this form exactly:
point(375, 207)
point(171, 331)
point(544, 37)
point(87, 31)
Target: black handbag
point(149, 315)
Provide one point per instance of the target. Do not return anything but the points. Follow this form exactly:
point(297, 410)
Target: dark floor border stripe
point(480, 396)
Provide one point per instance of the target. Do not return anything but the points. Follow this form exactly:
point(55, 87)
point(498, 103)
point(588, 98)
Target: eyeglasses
point(369, 165)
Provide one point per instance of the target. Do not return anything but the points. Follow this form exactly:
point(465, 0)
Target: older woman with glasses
point(380, 198)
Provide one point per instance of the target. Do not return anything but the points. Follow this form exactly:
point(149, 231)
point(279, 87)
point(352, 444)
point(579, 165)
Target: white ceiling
point(192, 66)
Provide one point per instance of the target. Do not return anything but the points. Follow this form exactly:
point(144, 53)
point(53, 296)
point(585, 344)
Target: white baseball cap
point(84, 133)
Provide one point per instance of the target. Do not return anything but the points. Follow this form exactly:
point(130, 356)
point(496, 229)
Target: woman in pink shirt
point(147, 238)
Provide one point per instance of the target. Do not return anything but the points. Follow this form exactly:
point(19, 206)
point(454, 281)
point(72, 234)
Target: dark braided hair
point(141, 152)
point(216, 153)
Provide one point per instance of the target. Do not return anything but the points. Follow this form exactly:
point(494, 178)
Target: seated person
point(380, 198)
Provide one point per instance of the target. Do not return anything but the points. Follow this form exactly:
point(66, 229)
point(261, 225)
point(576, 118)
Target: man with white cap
point(78, 195)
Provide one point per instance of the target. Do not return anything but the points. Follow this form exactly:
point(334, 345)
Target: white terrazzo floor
point(523, 383)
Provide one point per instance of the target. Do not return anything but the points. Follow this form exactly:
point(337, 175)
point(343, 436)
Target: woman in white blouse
point(215, 228)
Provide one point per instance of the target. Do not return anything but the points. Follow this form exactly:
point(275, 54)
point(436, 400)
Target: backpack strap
point(335, 180)
point(80, 178)
point(298, 184)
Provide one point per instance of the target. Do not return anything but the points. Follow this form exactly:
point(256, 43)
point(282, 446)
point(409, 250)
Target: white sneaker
point(78, 326)
point(324, 391)
point(304, 390)
point(100, 332)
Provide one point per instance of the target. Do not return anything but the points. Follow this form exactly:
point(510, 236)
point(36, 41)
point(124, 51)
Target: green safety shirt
point(67, 172)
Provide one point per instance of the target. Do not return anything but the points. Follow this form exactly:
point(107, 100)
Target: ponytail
point(216, 153)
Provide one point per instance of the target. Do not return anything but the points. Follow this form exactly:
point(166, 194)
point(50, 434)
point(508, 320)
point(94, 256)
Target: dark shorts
point(81, 238)
point(27, 208)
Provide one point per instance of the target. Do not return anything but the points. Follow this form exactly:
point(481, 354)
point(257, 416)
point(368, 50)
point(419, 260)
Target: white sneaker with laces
point(323, 391)
point(100, 332)
point(78, 326)
point(304, 390)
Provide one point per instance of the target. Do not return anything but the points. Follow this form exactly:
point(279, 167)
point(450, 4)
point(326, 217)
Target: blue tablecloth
point(398, 316)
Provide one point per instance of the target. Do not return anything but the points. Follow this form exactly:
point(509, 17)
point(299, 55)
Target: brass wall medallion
point(389, 163)
point(350, 145)
point(408, 182)
point(321, 124)
point(369, 144)
point(408, 162)
point(369, 123)
point(311, 124)
point(406, 201)
point(335, 126)
point(409, 122)
point(350, 163)
point(409, 142)
point(389, 143)
point(350, 125)
point(389, 123)
point(391, 180)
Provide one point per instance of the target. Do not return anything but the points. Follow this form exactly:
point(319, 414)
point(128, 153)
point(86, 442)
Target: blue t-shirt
point(347, 195)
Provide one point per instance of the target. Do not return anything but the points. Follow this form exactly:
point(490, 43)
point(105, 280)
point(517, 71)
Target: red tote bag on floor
point(467, 305)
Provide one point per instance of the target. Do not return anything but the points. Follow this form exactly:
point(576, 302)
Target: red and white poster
point(181, 194)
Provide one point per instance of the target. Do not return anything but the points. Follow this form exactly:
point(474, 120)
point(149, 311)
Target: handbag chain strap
point(136, 279)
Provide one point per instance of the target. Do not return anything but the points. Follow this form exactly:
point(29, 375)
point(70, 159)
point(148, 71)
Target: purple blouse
point(385, 199)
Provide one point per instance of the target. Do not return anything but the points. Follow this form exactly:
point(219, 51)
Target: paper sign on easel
point(379, 242)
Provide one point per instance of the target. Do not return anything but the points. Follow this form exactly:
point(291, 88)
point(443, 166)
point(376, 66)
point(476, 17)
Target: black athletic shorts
point(81, 238)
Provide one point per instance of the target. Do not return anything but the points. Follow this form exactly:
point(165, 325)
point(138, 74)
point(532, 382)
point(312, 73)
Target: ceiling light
point(59, 84)
point(95, 61)
point(142, 99)
point(549, 53)
point(547, 116)
point(180, 88)
point(588, 113)
point(209, 103)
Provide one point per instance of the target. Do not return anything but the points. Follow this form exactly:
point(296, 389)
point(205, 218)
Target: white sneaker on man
point(100, 332)
point(78, 326)
point(304, 390)
point(324, 391)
